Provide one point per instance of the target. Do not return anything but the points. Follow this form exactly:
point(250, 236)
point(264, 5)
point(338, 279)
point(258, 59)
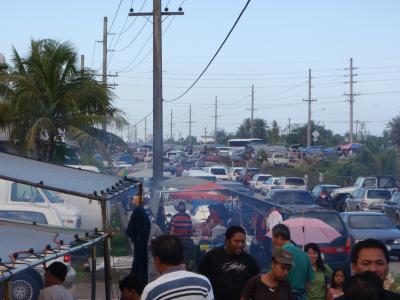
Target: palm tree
point(51, 100)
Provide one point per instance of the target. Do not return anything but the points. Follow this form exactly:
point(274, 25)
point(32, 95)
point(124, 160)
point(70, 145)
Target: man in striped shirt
point(174, 282)
point(181, 226)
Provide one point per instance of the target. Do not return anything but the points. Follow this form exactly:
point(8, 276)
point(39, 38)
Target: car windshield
point(369, 222)
point(387, 182)
point(218, 171)
point(329, 189)
point(293, 197)
point(295, 181)
point(263, 178)
point(331, 218)
point(53, 198)
point(269, 181)
point(379, 194)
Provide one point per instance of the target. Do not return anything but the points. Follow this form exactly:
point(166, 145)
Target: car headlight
point(396, 241)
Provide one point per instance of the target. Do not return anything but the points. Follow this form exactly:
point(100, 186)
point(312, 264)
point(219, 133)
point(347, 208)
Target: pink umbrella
point(309, 230)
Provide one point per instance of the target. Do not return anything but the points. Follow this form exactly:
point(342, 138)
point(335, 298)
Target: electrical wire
point(215, 55)
point(115, 16)
point(94, 50)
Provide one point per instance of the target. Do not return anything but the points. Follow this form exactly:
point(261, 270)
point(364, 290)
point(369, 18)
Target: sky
point(272, 47)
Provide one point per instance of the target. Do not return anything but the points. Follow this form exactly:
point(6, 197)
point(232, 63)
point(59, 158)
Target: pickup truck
point(384, 182)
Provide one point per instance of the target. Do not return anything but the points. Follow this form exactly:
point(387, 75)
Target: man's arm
point(205, 266)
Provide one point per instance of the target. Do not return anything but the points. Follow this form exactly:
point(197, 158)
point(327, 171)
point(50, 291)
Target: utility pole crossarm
point(144, 14)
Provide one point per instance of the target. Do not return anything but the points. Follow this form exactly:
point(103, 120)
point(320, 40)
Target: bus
point(243, 143)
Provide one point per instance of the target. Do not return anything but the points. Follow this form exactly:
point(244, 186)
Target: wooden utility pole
point(205, 135)
point(157, 89)
point(309, 100)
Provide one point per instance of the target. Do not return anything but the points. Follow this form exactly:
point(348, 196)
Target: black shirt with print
point(228, 273)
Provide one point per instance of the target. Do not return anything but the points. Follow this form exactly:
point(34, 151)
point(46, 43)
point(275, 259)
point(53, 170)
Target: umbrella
point(309, 230)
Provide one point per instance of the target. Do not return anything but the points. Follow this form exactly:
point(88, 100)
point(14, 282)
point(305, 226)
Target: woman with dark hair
point(318, 287)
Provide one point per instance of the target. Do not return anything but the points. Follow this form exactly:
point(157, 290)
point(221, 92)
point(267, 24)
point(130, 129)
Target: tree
point(260, 129)
point(394, 130)
point(51, 101)
point(223, 136)
point(274, 136)
point(298, 135)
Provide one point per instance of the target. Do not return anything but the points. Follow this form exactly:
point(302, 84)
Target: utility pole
point(289, 126)
point(190, 125)
point(215, 120)
point(252, 112)
point(171, 124)
point(136, 134)
point(145, 130)
point(205, 135)
point(309, 100)
point(157, 88)
point(82, 63)
point(351, 98)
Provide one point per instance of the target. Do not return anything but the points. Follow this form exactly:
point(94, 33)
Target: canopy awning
point(206, 187)
point(62, 179)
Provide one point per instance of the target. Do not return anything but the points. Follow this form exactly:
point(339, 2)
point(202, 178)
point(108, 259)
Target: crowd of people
point(229, 272)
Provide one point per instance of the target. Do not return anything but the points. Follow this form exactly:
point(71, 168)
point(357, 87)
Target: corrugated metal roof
point(60, 178)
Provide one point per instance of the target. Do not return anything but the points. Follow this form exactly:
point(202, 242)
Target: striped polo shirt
point(179, 284)
point(181, 224)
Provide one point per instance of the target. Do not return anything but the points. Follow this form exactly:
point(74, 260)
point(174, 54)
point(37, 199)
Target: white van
point(18, 194)
point(219, 171)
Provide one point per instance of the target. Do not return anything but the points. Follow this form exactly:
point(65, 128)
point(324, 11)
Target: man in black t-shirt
point(229, 268)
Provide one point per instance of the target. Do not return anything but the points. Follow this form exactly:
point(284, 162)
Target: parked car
point(30, 213)
point(149, 157)
point(392, 208)
point(383, 182)
point(218, 171)
point(292, 183)
point(237, 187)
point(278, 159)
point(322, 195)
point(246, 175)
point(234, 172)
point(256, 182)
point(375, 225)
point(337, 252)
point(367, 199)
point(18, 194)
point(291, 198)
point(269, 185)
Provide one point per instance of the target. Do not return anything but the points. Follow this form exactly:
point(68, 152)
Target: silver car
point(367, 199)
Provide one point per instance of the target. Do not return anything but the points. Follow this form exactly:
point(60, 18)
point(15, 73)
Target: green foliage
point(260, 129)
point(50, 99)
point(274, 136)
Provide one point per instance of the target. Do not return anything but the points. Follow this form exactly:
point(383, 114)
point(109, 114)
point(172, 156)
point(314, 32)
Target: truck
point(339, 195)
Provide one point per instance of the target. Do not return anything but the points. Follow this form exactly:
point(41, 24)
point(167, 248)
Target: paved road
point(395, 266)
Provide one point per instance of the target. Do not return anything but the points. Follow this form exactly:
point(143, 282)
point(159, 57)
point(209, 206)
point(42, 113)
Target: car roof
point(289, 190)
point(362, 213)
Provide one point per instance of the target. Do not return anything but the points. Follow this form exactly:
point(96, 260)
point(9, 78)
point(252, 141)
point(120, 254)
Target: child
point(337, 284)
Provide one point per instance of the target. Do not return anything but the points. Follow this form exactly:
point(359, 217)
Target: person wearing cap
point(301, 275)
point(53, 279)
point(272, 285)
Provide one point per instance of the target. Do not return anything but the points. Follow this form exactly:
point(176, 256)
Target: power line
point(115, 16)
point(215, 55)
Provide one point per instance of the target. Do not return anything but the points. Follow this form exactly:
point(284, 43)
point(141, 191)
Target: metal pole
point(171, 127)
point(252, 112)
point(216, 118)
point(309, 110)
point(106, 247)
point(105, 51)
point(93, 270)
point(145, 130)
point(351, 102)
point(157, 96)
point(82, 63)
point(190, 125)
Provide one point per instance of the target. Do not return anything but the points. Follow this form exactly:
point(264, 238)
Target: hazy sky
point(272, 47)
